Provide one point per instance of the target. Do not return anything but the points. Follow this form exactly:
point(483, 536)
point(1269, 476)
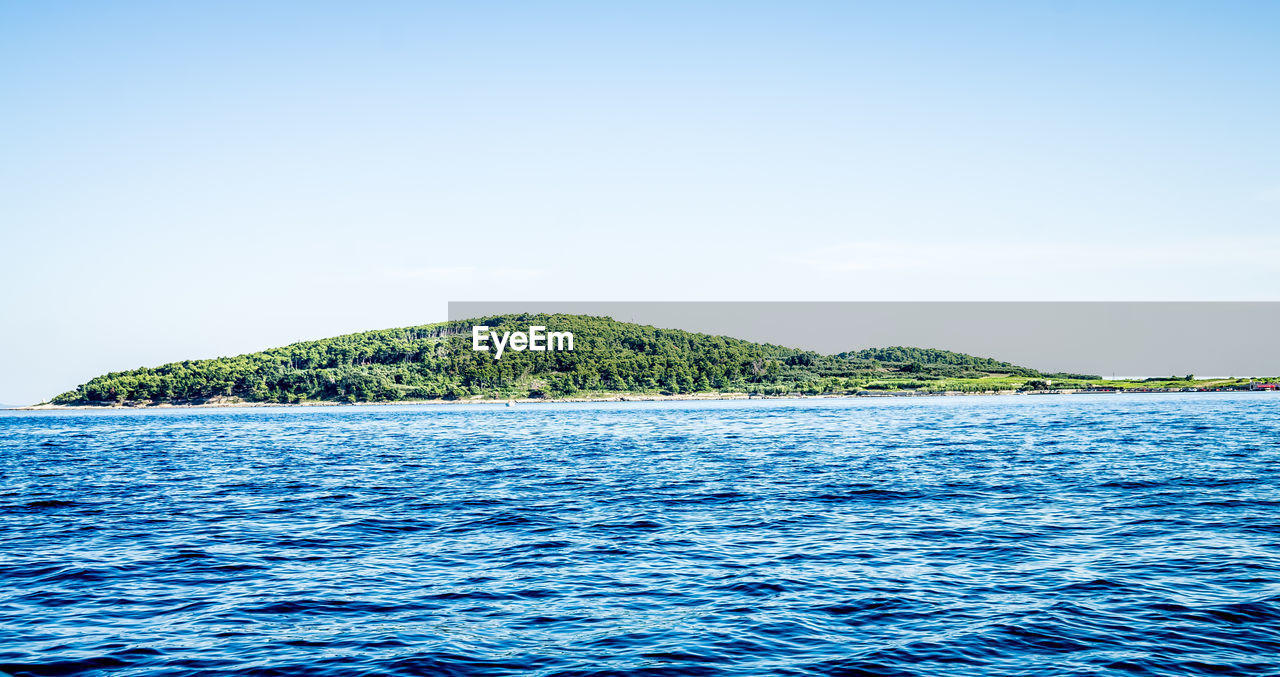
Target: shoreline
point(621, 397)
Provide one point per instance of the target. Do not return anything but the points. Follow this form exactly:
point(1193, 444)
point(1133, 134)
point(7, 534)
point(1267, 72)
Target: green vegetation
point(437, 362)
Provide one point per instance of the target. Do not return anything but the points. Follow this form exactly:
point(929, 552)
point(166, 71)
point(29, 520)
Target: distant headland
point(611, 361)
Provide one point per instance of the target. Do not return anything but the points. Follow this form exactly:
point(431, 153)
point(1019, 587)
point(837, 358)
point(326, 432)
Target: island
point(609, 360)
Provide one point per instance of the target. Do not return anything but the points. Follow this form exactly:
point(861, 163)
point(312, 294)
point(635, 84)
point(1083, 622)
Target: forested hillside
point(437, 362)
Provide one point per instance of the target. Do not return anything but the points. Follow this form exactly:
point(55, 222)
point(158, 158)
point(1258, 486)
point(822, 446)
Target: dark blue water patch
point(932, 536)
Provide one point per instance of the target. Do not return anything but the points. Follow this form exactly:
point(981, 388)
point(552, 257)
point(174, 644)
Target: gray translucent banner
point(1124, 339)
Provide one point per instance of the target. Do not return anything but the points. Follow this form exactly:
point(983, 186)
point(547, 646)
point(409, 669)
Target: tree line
point(437, 362)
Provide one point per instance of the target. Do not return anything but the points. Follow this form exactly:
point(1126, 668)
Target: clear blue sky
point(198, 179)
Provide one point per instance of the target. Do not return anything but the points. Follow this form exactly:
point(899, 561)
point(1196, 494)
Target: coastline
point(230, 403)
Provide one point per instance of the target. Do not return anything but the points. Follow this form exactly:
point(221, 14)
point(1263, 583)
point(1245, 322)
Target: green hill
point(437, 362)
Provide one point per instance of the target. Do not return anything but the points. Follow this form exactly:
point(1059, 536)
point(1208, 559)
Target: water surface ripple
point(1054, 535)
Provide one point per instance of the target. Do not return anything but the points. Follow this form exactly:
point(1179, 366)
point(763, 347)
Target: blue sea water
point(1028, 535)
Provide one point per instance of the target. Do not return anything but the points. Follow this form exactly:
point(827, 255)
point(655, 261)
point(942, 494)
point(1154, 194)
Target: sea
point(1001, 535)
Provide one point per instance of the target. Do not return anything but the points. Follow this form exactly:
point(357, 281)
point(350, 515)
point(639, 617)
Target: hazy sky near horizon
point(182, 180)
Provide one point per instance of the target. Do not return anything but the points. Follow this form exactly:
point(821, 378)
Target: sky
point(189, 180)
